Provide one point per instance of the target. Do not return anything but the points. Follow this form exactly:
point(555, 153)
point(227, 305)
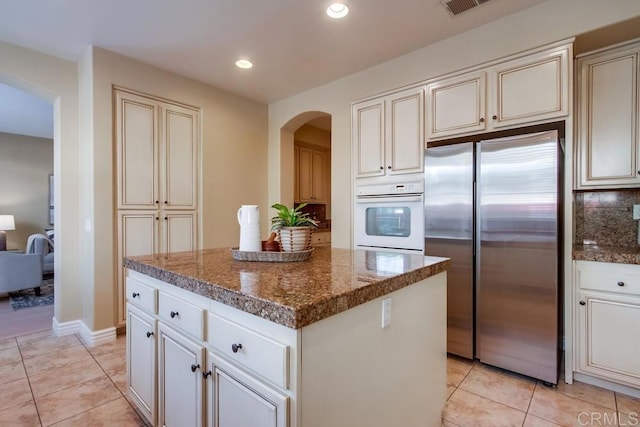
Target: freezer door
point(517, 257)
point(449, 233)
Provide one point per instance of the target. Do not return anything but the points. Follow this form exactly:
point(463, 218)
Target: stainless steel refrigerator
point(492, 206)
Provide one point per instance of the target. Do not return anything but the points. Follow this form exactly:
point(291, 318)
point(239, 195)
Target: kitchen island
point(346, 338)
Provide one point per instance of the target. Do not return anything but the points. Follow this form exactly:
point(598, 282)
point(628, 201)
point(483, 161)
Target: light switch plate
point(636, 211)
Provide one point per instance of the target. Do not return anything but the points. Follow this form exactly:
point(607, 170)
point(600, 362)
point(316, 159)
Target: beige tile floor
point(481, 395)
point(45, 380)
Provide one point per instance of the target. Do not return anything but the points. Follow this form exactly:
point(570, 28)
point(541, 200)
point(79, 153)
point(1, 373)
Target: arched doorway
point(305, 167)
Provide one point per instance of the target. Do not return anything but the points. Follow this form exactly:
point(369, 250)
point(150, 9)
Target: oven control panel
point(415, 187)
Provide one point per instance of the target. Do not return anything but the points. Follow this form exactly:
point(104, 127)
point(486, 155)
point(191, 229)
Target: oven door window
point(388, 221)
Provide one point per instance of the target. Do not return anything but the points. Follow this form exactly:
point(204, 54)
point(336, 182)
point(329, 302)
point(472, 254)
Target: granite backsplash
point(605, 218)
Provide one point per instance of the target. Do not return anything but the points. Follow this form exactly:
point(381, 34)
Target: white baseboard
point(66, 328)
point(606, 384)
point(92, 338)
point(88, 336)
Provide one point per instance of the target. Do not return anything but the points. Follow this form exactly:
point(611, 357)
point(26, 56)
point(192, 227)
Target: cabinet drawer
point(181, 314)
point(253, 350)
point(142, 295)
point(608, 277)
point(321, 238)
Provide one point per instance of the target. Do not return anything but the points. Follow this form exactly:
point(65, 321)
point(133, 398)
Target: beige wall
point(550, 21)
point(25, 165)
point(234, 166)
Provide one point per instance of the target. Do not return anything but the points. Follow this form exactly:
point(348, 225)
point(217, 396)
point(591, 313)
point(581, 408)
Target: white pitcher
point(249, 220)
point(248, 215)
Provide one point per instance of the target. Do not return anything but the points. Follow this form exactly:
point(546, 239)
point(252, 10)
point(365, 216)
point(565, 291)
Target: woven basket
point(295, 239)
point(270, 256)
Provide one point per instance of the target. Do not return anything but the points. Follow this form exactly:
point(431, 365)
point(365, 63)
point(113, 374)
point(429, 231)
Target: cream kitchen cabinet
point(321, 238)
point(148, 232)
point(166, 352)
point(527, 89)
point(388, 134)
point(141, 361)
point(456, 105)
point(608, 321)
point(608, 121)
point(181, 393)
point(240, 400)
point(157, 179)
point(251, 369)
point(242, 380)
point(311, 174)
point(157, 153)
point(142, 331)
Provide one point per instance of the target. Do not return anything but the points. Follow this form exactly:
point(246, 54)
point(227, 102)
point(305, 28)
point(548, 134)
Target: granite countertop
point(617, 254)
point(292, 294)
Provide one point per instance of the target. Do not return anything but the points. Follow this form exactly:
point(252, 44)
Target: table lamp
point(6, 223)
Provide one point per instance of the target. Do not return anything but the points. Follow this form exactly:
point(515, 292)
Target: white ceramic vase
point(295, 239)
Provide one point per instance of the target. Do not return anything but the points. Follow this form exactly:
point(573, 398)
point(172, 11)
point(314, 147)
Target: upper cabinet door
point(608, 120)
point(368, 137)
point(136, 151)
point(531, 89)
point(180, 154)
point(456, 105)
point(405, 127)
point(527, 89)
point(388, 134)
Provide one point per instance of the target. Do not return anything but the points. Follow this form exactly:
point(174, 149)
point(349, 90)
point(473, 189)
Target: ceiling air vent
point(456, 7)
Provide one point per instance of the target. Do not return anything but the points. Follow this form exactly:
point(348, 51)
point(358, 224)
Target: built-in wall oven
point(390, 216)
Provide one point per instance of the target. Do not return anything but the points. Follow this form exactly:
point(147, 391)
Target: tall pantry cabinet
point(157, 179)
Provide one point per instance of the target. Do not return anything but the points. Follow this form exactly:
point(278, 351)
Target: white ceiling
point(293, 44)
point(25, 114)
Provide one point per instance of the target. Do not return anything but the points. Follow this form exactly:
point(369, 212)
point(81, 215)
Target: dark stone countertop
point(293, 294)
point(617, 254)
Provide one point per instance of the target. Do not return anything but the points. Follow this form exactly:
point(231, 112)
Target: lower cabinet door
point(141, 360)
point(239, 400)
point(609, 326)
point(181, 392)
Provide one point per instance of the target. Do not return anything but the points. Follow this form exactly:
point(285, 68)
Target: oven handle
point(392, 199)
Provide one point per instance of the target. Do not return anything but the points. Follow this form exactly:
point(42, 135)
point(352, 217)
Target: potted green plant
point(294, 227)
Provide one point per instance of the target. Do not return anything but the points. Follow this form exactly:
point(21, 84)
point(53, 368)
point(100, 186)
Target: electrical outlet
point(636, 211)
point(386, 312)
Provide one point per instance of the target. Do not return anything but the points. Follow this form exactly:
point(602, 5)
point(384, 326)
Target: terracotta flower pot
point(295, 239)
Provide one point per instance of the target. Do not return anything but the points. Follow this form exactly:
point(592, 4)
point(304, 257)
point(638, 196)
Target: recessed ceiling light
point(337, 10)
point(244, 63)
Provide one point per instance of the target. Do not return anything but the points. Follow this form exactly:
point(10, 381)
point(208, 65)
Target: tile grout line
point(114, 384)
point(106, 374)
point(26, 374)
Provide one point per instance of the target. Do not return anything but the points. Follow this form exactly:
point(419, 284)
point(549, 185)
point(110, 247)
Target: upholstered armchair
point(20, 271)
point(41, 245)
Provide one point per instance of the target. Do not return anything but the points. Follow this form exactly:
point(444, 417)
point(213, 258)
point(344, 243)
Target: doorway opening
point(26, 178)
point(306, 169)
